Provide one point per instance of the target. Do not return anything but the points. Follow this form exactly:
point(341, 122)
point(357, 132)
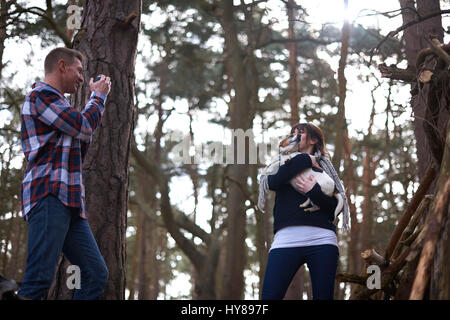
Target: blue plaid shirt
point(55, 139)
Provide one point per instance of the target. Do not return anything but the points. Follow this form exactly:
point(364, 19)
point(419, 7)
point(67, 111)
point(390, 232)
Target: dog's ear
point(284, 142)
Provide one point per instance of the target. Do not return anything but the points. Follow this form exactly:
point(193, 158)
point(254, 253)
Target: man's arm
point(289, 170)
point(51, 110)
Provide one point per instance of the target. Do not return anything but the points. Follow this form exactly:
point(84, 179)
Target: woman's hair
point(313, 132)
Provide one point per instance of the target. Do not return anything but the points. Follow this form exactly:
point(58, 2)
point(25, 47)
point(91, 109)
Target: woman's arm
point(289, 170)
point(326, 203)
point(313, 191)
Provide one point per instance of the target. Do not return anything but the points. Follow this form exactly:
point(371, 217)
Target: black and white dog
point(288, 150)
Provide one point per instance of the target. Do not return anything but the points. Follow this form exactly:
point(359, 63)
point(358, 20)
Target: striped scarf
point(328, 167)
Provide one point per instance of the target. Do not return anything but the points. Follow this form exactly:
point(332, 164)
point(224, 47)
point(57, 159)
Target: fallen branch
point(346, 277)
point(407, 235)
point(407, 242)
point(432, 236)
point(373, 257)
point(387, 276)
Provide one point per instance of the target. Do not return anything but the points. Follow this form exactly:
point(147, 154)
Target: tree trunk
point(341, 123)
point(233, 284)
point(368, 175)
point(260, 242)
point(414, 37)
point(131, 283)
point(109, 46)
point(440, 277)
point(3, 18)
point(142, 256)
point(294, 82)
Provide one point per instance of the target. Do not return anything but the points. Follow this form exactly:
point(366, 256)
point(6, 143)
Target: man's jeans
point(54, 228)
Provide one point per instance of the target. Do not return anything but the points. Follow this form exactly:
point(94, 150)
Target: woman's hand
point(305, 184)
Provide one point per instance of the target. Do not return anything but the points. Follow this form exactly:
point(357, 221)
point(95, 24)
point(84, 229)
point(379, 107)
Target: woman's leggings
point(283, 264)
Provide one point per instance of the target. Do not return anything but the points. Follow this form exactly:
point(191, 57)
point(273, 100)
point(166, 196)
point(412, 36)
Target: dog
point(288, 150)
point(8, 289)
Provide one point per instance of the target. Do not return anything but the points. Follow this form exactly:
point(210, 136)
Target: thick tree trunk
point(233, 283)
point(109, 46)
point(414, 37)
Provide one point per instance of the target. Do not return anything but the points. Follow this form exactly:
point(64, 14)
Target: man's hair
point(66, 54)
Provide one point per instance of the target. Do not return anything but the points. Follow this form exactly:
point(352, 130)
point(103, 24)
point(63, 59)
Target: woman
point(303, 236)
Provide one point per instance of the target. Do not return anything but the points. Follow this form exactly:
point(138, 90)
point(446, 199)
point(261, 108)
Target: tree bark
point(106, 164)
point(3, 18)
point(433, 225)
point(341, 125)
point(294, 81)
point(260, 242)
point(142, 275)
point(414, 37)
point(368, 175)
point(354, 264)
point(109, 46)
point(233, 283)
point(440, 278)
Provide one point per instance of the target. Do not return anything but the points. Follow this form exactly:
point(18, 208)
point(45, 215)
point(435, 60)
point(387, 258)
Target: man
point(55, 138)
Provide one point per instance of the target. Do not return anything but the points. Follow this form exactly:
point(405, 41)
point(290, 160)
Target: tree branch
point(403, 27)
point(394, 73)
point(188, 247)
point(304, 39)
point(434, 224)
point(436, 47)
point(346, 277)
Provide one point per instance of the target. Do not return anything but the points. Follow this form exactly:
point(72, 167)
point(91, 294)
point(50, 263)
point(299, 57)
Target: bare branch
point(305, 39)
point(437, 48)
point(392, 72)
point(403, 27)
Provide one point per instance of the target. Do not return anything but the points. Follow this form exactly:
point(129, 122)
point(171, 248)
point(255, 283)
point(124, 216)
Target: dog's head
point(290, 144)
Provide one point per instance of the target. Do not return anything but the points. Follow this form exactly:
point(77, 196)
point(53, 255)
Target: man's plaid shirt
point(55, 138)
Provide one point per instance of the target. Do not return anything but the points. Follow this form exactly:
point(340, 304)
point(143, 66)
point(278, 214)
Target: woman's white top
point(302, 236)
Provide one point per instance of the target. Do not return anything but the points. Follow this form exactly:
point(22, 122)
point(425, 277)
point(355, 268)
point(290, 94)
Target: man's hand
point(103, 85)
point(305, 184)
